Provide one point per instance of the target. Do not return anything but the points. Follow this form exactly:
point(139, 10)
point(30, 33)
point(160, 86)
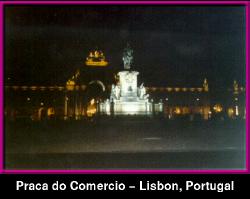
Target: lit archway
point(42, 113)
point(99, 83)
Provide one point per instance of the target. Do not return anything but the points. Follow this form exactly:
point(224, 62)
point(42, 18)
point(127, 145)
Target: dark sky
point(172, 45)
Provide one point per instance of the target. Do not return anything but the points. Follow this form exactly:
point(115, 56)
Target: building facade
point(96, 90)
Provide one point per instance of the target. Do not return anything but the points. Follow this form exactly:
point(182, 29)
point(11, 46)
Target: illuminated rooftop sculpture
point(96, 58)
point(71, 83)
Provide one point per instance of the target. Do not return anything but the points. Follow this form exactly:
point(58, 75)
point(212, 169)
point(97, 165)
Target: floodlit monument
point(126, 97)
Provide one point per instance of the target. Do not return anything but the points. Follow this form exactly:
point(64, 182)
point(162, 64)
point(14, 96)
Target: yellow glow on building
point(217, 108)
point(96, 58)
point(83, 87)
point(201, 111)
point(91, 109)
point(50, 111)
point(230, 112)
point(236, 87)
point(60, 88)
point(177, 110)
point(51, 88)
point(33, 88)
point(205, 85)
point(77, 87)
point(42, 88)
point(70, 85)
point(92, 102)
point(185, 110)
point(24, 87)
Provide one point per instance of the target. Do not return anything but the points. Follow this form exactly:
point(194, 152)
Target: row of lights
point(33, 88)
point(175, 89)
point(197, 99)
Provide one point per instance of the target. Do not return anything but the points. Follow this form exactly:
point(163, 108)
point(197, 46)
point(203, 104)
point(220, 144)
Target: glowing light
point(51, 88)
point(28, 99)
point(41, 103)
point(217, 108)
point(33, 88)
point(51, 111)
point(24, 87)
point(205, 85)
point(130, 108)
point(60, 88)
point(177, 110)
point(230, 112)
point(236, 87)
point(236, 110)
point(197, 99)
point(92, 102)
point(91, 109)
point(70, 85)
point(177, 89)
point(42, 88)
point(96, 58)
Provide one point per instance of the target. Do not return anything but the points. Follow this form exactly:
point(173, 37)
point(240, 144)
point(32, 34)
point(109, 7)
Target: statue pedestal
point(126, 97)
point(132, 108)
point(128, 101)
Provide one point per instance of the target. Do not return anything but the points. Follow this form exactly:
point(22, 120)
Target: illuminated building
point(66, 101)
point(100, 90)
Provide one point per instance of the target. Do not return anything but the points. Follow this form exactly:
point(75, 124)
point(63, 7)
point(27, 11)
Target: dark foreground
point(125, 144)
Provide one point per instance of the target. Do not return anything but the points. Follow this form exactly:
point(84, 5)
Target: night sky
point(173, 46)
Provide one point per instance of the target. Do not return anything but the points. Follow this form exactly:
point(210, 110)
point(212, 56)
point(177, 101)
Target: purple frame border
point(210, 171)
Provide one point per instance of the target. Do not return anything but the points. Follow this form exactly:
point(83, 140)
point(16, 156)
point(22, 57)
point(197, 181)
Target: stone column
point(65, 107)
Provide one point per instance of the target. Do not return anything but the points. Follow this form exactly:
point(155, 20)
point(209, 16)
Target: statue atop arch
point(127, 57)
